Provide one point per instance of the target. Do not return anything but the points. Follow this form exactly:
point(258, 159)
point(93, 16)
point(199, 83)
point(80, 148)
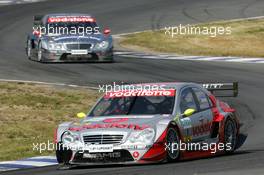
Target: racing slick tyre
point(28, 49)
point(63, 155)
point(59, 153)
point(173, 143)
point(39, 55)
point(230, 137)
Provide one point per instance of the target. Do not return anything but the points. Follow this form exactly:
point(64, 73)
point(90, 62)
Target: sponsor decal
point(112, 125)
point(71, 19)
point(101, 148)
point(135, 154)
point(201, 129)
point(115, 120)
point(102, 156)
point(140, 93)
point(213, 85)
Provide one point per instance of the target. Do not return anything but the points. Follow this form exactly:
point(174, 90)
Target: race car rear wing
point(222, 89)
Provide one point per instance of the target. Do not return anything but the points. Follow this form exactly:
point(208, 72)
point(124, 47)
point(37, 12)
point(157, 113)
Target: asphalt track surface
point(129, 16)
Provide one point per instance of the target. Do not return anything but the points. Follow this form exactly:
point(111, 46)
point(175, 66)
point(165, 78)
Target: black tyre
point(39, 55)
point(230, 136)
point(173, 143)
point(63, 155)
point(59, 153)
point(28, 49)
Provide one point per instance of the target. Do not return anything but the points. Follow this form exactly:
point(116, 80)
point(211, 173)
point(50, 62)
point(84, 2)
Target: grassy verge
point(30, 113)
point(246, 39)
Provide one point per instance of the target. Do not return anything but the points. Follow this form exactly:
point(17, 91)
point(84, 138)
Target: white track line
point(130, 54)
point(5, 2)
point(11, 2)
point(28, 163)
point(31, 163)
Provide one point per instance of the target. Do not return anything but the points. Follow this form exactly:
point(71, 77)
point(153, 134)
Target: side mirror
point(81, 115)
point(107, 31)
point(188, 112)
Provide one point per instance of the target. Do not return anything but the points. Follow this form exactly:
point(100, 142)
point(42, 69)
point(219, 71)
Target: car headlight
point(102, 45)
point(55, 46)
point(146, 136)
point(68, 137)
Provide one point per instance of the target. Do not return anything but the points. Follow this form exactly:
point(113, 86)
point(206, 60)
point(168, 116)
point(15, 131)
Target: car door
point(187, 123)
point(202, 129)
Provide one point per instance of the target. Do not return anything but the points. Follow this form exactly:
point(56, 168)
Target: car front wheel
point(28, 49)
point(40, 56)
point(172, 141)
point(63, 154)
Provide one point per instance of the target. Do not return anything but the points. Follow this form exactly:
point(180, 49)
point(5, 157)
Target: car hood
point(124, 123)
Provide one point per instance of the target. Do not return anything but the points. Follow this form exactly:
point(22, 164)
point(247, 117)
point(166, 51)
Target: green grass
point(30, 113)
point(246, 39)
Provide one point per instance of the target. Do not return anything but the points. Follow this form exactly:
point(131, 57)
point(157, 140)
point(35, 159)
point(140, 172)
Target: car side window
point(187, 100)
point(202, 99)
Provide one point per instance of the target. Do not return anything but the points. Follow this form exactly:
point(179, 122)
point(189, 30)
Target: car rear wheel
point(230, 136)
point(172, 141)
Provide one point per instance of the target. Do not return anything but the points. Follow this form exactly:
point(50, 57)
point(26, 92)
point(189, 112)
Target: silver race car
point(170, 122)
point(68, 37)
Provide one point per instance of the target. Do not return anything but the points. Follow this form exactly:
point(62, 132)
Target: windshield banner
point(170, 92)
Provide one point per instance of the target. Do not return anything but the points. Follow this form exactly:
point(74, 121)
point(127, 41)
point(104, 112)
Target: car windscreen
point(147, 104)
